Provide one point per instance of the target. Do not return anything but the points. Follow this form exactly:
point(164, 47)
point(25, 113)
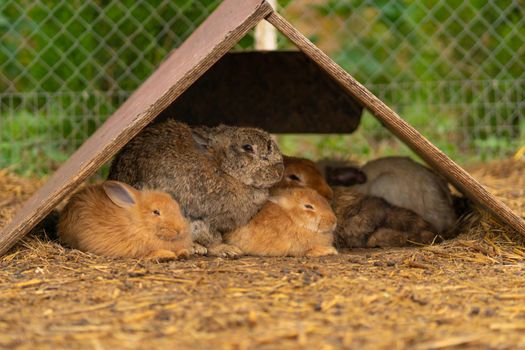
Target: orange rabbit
point(294, 222)
point(114, 219)
point(362, 220)
point(302, 172)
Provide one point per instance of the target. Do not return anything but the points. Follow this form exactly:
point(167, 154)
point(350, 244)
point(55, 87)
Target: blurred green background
point(454, 69)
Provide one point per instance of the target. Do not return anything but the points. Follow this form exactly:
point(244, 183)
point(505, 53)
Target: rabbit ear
point(200, 136)
point(281, 201)
point(121, 194)
point(347, 176)
point(203, 137)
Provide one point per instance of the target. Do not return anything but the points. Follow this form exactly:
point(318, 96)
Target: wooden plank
point(410, 136)
point(271, 90)
point(221, 30)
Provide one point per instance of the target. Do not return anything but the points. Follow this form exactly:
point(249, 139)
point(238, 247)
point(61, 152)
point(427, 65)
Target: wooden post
point(265, 33)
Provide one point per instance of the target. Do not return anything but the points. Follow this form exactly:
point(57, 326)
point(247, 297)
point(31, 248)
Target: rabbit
point(114, 219)
point(294, 222)
point(302, 172)
point(363, 221)
point(368, 221)
point(220, 176)
point(404, 183)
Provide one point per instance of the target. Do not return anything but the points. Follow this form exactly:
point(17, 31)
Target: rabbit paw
point(427, 237)
point(198, 249)
point(162, 255)
point(183, 253)
point(225, 251)
point(384, 237)
point(321, 251)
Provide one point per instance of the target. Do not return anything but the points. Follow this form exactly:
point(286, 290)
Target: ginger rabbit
point(294, 222)
point(114, 219)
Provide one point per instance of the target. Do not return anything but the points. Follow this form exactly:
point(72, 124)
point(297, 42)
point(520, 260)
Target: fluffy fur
point(220, 176)
point(294, 222)
point(407, 184)
point(368, 221)
point(142, 225)
point(301, 172)
point(362, 220)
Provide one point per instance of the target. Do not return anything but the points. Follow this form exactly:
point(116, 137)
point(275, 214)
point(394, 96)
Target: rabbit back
point(367, 221)
point(165, 157)
point(408, 184)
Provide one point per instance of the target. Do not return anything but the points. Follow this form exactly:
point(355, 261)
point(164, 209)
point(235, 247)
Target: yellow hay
point(465, 293)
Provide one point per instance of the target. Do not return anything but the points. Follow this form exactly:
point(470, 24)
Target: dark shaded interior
point(279, 91)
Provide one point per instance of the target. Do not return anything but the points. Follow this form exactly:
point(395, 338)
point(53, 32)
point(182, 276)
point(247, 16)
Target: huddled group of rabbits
point(176, 190)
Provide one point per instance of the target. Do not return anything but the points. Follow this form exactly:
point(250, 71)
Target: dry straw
point(465, 293)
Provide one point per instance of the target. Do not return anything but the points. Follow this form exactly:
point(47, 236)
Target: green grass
point(36, 144)
point(372, 140)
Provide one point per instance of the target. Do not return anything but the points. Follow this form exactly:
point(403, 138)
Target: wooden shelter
point(204, 48)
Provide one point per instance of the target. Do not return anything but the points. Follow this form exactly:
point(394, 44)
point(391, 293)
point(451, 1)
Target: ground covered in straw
point(467, 293)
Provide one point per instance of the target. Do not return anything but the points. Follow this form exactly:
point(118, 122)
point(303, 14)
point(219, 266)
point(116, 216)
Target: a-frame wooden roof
point(210, 41)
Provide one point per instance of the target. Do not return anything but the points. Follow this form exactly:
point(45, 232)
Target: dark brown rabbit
point(220, 176)
point(368, 221)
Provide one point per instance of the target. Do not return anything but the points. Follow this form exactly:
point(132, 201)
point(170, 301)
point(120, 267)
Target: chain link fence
point(456, 70)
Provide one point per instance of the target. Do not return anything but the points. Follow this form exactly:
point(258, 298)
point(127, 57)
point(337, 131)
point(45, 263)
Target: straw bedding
point(466, 293)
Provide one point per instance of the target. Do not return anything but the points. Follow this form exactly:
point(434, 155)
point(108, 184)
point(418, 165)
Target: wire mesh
point(454, 69)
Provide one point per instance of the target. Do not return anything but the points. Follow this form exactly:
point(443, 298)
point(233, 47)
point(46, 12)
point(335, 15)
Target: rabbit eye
point(248, 148)
point(294, 177)
point(156, 212)
point(309, 206)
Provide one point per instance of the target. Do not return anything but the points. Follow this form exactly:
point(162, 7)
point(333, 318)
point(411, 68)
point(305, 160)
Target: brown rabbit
point(114, 219)
point(402, 182)
point(294, 222)
point(220, 176)
point(363, 221)
point(302, 172)
point(368, 221)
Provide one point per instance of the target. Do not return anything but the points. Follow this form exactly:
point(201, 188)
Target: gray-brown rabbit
point(220, 176)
